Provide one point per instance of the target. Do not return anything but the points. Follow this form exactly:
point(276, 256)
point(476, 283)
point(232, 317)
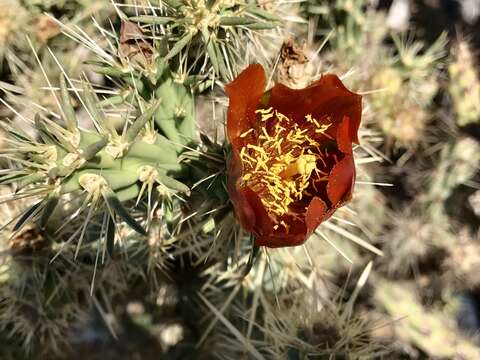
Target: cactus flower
point(291, 164)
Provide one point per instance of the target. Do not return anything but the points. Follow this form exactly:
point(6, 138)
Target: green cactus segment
point(68, 110)
point(129, 193)
point(179, 45)
point(408, 85)
point(140, 122)
point(458, 164)
point(464, 85)
point(109, 167)
point(175, 115)
point(429, 329)
point(162, 152)
point(171, 183)
point(195, 29)
point(350, 20)
point(172, 110)
point(91, 101)
point(235, 21)
point(93, 149)
point(149, 19)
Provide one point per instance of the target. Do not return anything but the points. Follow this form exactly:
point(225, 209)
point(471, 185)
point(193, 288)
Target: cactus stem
point(140, 122)
point(70, 118)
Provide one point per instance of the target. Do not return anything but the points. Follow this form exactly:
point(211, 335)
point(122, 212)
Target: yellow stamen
point(283, 163)
point(246, 133)
point(265, 113)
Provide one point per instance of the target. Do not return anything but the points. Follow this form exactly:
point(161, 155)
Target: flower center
point(283, 162)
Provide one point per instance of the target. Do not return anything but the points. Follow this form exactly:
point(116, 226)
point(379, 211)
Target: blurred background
point(416, 62)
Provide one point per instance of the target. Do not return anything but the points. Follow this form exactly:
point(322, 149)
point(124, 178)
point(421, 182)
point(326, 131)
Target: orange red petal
point(244, 94)
point(341, 181)
point(328, 101)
